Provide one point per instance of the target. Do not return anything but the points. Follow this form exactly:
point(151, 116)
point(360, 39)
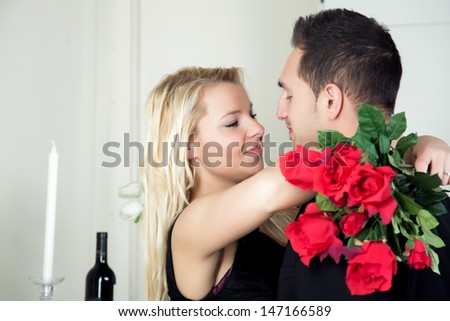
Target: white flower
point(131, 190)
point(131, 210)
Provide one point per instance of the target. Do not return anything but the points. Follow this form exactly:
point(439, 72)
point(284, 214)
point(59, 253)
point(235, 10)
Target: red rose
point(372, 269)
point(371, 187)
point(331, 178)
point(351, 224)
point(418, 257)
point(300, 166)
point(314, 233)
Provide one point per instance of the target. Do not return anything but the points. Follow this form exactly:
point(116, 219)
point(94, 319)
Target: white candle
point(52, 180)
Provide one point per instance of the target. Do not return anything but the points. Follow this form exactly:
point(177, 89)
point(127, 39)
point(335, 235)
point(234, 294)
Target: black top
point(253, 275)
point(326, 280)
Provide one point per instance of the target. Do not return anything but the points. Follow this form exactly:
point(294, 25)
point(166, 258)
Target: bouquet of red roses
point(371, 207)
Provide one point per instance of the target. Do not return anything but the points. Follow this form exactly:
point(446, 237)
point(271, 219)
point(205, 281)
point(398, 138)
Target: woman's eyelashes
point(235, 123)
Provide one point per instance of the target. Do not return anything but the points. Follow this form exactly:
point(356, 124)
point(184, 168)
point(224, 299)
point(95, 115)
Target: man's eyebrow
point(280, 84)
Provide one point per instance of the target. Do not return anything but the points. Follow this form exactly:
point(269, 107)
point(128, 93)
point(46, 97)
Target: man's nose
point(281, 110)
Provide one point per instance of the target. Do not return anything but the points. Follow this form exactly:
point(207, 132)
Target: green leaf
point(405, 143)
point(406, 231)
point(425, 180)
point(377, 234)
point(407, 227)
point(426, 219)
point(410, 243)
point(402, 184)
point(395, 223)
point(371, 119)
point(434, 261)
point(437, 209)
point(407, 203)
point(405, 216)
point(330, 138)
point(384, 144)
point(368, 148)
point(325, 204)
point(396, 126)
point(406, 169)
point(138, 218)
point(368, 136)
point(427, 222)
point(426, 197)
point(395, 159)
point(362, 235)
point(351, 242)
point(396, 249)
point(361, 141)
point(432, 239)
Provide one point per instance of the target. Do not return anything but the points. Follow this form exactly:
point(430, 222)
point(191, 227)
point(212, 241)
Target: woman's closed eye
point(233, 124)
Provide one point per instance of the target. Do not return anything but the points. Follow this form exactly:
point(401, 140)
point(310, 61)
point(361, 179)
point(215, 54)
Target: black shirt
point(253, 275)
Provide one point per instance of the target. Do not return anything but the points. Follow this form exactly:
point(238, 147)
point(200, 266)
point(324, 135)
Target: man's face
point(297, 103)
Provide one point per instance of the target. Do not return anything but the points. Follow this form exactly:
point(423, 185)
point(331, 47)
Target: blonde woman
point(208, 202)
point(207, 196)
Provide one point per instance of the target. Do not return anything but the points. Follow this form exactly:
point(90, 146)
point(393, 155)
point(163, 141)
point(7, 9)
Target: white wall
point(67, 73)
point(54, 85)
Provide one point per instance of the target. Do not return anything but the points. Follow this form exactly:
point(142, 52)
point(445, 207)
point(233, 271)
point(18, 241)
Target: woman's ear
point(189, 153)
point(192, 150)
point(334, 100)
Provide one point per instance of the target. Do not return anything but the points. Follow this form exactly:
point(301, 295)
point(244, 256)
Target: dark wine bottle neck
point(101, 253)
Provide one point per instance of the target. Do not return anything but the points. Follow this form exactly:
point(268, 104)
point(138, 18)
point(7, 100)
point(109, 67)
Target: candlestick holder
point(46, 287)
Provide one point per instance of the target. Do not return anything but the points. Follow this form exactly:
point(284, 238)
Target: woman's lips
point(253, 148)
point(256, 150)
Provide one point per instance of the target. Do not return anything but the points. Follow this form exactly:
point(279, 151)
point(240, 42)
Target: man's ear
point(334, 100)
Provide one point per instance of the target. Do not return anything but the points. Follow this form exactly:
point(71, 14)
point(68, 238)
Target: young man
point(340, 59)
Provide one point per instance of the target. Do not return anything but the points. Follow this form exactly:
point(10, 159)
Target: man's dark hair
point(352, 51)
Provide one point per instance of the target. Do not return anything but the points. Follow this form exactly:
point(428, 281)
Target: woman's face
point(227, 145)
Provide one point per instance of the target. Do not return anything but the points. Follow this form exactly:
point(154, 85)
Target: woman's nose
point(256, 129)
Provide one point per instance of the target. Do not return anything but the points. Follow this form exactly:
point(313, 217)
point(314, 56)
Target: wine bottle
point(100, 279)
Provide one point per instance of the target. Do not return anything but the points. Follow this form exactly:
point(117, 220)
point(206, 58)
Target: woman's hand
point(431, 155)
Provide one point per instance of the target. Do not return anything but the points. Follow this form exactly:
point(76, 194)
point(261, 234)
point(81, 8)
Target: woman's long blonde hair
point(173, 111)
